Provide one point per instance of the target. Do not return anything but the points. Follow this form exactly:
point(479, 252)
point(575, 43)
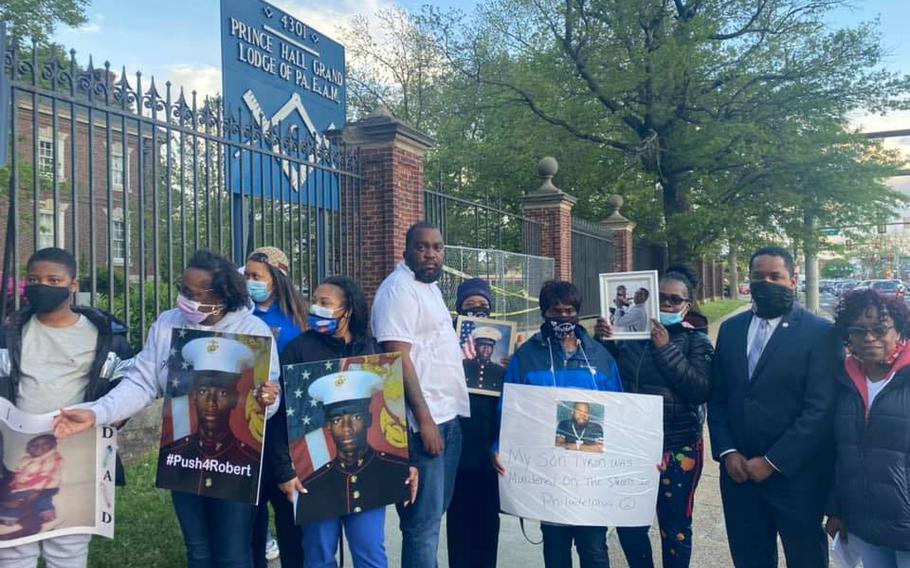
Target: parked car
point(892, 288)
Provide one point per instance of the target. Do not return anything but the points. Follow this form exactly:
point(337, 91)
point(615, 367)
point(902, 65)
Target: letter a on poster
point(580, 457)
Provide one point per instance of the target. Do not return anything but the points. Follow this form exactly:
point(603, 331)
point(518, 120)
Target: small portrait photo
point(629, 301)
point(579, 426)
point(486, 346)
point(212, 416)
point(47, 484)
point(347, 434)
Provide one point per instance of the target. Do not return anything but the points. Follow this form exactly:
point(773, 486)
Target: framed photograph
point(486, 346)
point(348, 434)
point(212, 426)
point(628, 301)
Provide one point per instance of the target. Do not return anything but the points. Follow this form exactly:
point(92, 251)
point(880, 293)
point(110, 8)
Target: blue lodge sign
point(277, 70)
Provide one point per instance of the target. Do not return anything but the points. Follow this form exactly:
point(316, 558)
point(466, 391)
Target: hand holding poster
point(580, 457)
point(347, 433)
point(486, 345)
point(211, 440)
point(51, 487)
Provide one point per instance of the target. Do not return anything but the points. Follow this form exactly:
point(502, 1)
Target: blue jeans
point(878, 556)
point(420, 521)
point(366, 538)
point(217, 533)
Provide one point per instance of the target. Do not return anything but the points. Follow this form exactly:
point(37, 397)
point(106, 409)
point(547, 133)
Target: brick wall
point(88, 206)
point(392, 166)
point(556, 235)
point(392, 201)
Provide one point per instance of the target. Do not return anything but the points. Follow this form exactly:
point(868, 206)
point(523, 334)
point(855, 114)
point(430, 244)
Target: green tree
point(838, 268)
point(38, 18)
point(696, 97)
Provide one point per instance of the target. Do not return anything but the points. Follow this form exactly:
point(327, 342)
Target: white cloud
point(332, 19)
point(204, 79)
point(91, 26)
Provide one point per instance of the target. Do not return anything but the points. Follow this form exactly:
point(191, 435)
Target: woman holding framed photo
point(674, 363)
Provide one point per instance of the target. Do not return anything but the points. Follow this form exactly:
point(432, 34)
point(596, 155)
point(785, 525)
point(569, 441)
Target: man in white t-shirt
point(411, 317)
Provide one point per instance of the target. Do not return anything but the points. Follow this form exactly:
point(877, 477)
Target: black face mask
point(562, 327)
point(45, 299)
point(771, 300)
point(477, 313)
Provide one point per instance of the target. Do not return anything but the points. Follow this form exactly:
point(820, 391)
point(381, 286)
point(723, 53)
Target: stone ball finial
point(615, 202)
point(547, 167)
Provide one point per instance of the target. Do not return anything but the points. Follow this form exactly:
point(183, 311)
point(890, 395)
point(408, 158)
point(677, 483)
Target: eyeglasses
point(858, 333)
point(188, 292)
point(673, 300)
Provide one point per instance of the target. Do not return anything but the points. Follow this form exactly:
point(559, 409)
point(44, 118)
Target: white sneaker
point(271, 550)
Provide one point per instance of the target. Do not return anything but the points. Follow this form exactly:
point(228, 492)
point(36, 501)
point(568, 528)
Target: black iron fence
point(592, 255)
point(133, 177)
point(481, 225)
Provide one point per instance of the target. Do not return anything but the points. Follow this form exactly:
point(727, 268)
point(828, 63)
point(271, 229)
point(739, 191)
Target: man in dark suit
point(770, 420)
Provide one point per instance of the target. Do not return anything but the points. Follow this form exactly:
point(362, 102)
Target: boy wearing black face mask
point(773, 391)
point(58, 355)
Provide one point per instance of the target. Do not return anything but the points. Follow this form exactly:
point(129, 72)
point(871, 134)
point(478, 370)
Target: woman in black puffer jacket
point(870, 501)
point(674, 364)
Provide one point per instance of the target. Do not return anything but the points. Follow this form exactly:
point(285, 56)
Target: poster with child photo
point(51, 487)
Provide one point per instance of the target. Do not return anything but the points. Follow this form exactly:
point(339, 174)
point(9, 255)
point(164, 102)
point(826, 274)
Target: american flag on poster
point(466, 339)
point(305, 415)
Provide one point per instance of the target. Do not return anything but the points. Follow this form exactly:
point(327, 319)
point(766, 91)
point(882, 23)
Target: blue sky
point(179, 40)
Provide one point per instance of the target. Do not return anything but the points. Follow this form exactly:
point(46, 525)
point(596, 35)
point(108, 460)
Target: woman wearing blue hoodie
point(562, 354)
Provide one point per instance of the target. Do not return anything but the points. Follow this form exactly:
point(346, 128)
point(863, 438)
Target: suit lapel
point(782, 335)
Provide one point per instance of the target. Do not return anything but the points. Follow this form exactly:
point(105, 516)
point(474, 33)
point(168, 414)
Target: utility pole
point(810, 250)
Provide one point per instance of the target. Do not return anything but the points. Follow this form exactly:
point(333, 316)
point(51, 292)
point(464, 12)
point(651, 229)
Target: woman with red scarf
point(870, 503)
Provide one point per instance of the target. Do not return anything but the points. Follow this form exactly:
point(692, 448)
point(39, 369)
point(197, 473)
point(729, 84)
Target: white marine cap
point(344, 386)
point(489, 333)
point(218, 354)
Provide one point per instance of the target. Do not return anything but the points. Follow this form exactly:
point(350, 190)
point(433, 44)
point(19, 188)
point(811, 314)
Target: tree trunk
point(733, 261)
point(680, 248)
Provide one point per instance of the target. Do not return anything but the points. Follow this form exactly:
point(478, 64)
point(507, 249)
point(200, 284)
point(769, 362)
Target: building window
point(46, 157)
point(119, 169)
point(47, 143)
point(46, 229)
point(118, 240)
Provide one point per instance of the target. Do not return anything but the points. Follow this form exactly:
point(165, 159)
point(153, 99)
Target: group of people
point(802, 426)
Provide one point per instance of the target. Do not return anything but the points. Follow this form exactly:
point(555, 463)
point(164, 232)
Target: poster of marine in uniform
point(486, 345)
point(347, 433)
point(213, 426)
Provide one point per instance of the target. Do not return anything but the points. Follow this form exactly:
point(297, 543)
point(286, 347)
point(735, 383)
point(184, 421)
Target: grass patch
point(714, 311)
point(146, 530)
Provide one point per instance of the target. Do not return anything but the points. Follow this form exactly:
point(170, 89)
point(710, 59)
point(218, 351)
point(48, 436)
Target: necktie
point(758, 344)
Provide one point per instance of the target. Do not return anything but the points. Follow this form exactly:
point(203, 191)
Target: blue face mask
point(323, 319)
point(667, 318)
point(259, 291)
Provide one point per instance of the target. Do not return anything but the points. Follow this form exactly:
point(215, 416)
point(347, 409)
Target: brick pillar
point(623, 234)
point(391, 163)
point(552, 208)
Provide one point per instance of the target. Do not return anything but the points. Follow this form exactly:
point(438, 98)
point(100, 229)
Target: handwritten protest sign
point(51, 487)
point(580, 457)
